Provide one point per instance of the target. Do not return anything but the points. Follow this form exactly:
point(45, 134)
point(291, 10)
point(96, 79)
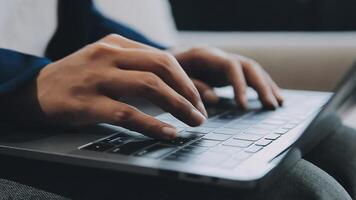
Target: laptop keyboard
point(225, 140)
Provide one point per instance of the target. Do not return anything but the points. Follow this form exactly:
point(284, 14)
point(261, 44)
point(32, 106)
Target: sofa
point(296, 60)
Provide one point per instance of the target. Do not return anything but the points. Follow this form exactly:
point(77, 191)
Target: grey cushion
point(11, 190)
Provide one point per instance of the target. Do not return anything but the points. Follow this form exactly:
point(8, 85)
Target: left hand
point(210, 67)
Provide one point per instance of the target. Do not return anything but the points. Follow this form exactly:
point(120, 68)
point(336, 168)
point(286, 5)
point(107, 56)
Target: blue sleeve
point(17, 68)
point(103, 26)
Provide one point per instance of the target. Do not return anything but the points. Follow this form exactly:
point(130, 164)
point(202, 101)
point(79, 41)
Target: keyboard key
point(214, 136)
point(253, 149)
point(211, 124)
point(247, 121)
point(260, 115)
point(257, 131)
point(193, 150)
point(229, 116)
point(206, 143)
point(203, 130)
point(263, 142)
point(166, 116)
point(133, 146)
point(226, 149)
point(177, 124)
point(101, 147)
point(248, 137)
point(272, 136)
point(120, 140)
point(109, 139)
point(266, 127)
point(237, 143)
point(274, 122)
point(181, 157)
point(227, 131)
point(238, 126)
point(156, 151)
point(281, 131)
point(183, 138)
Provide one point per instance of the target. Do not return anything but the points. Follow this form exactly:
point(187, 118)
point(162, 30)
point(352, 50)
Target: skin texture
point(212, 67)
point(85, 87)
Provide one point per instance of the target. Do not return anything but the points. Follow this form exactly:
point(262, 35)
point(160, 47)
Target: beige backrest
point(314, 61)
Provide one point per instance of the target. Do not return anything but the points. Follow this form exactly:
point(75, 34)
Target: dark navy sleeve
point(17, 68)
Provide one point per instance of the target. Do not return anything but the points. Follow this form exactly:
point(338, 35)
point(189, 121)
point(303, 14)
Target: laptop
point(233, 148)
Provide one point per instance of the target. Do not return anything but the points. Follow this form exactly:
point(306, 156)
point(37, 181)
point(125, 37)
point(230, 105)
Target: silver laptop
point(234, 148)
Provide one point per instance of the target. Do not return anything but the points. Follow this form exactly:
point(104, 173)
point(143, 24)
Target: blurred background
point(304, 44)
point(272, 15)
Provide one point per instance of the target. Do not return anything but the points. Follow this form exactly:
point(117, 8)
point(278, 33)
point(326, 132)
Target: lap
point(336, 156)
point(12, 190)
point(303, 181)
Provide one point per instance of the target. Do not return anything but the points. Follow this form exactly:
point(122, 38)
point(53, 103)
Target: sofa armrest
point(296, 60)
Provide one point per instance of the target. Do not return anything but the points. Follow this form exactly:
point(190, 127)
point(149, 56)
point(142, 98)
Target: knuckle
point(166, 59)
point(179, 103)
point(100, 49)
point(231, 63)
point(198, 50)
point(125, 115)
point(114, 36)
point(192, 94)
point(166, 64)
point(151, 81)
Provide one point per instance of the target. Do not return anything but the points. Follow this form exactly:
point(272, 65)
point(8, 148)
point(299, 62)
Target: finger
point(106, 110)
point(234, 73)
point(276, 90)
point(120, 41)
point(163, 65)
point(150, 86)
point(206, 92)
point(256, 77)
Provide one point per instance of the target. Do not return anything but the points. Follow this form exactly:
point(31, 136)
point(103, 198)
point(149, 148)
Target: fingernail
point(201, 108)
point(273, 101)
point(210, 97)
point(280, 100)
point(196, 114)
point(170, 132)
point(244, 103)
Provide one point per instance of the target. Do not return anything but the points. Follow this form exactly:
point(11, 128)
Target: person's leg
point(306, 181)
point(303, 181)
point(337, 156)
point(11, 190)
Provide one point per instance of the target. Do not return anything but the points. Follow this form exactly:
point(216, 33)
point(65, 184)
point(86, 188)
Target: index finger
point(163, 65)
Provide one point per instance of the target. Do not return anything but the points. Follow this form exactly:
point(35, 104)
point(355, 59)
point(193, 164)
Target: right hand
point(84, 87)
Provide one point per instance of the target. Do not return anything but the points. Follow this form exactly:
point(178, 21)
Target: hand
point(210, 67)
point(85, 87)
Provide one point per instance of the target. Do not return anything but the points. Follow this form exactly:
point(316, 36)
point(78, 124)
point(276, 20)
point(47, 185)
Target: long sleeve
point(17, 68)
point(80, 23)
